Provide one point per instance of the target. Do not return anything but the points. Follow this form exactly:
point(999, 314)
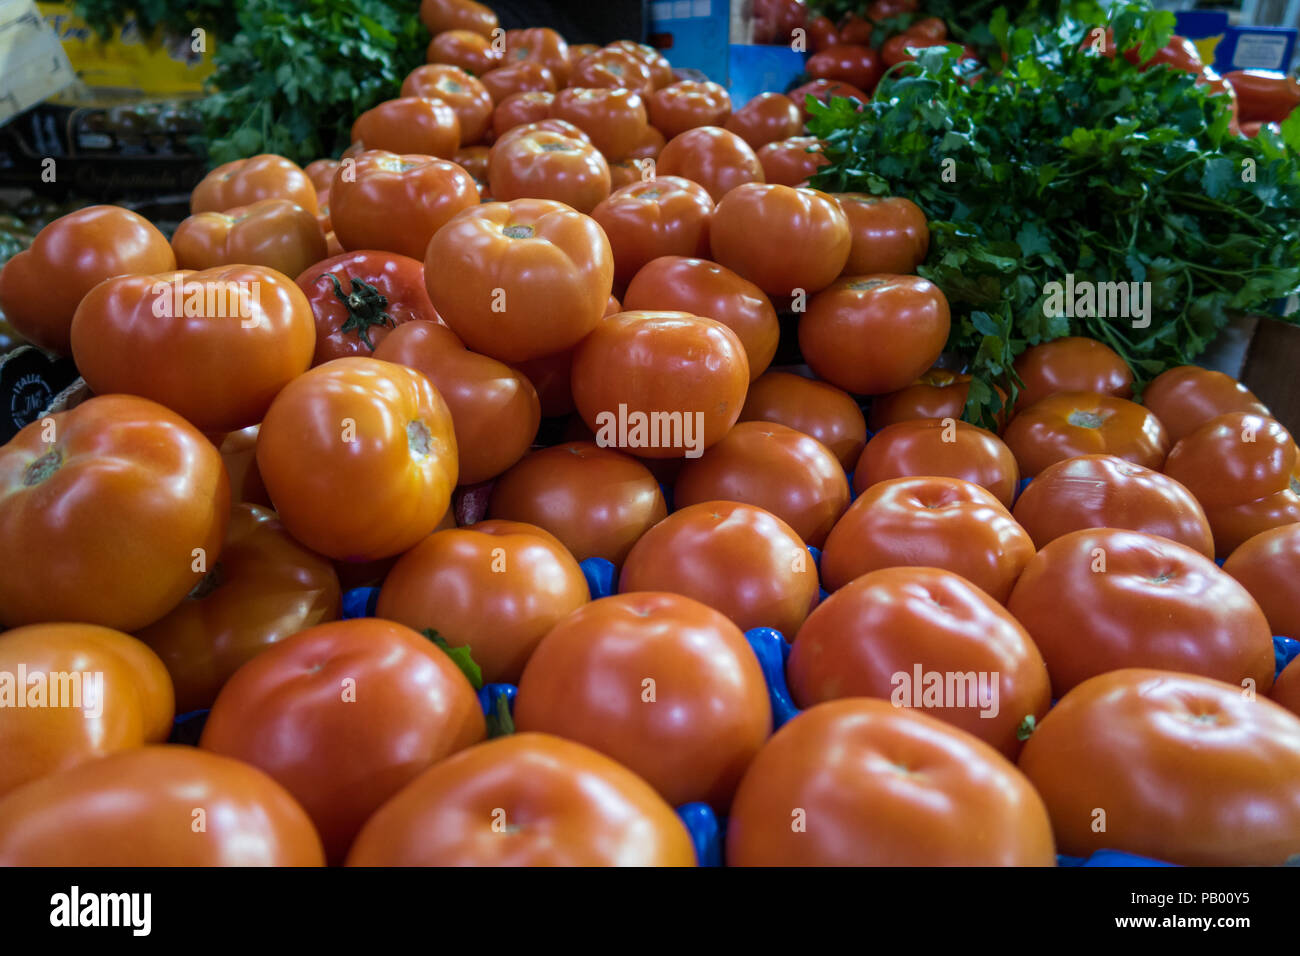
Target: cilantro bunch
point(1068, 161)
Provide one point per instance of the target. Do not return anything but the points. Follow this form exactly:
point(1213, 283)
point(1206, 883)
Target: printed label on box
point(1259, 51)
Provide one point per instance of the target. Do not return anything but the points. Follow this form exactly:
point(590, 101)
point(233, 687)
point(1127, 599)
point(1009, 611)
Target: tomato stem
point(366, 306)
point(42, 468)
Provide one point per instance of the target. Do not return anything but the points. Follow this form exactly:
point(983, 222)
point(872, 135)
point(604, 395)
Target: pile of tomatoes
point(336, 377)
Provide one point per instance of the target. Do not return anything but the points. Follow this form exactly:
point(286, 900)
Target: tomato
point(239, 455)
point(666, 686)
point(494, 408)
point(855, 29)
point(396, 203)
point(858, 65)
point(932, 28)
point(271, 232)
point(933, 522)
point(539, 45)
point(1179, 54)
point(790, 162)
point(706, 288)
point(665, 216)
point(1071, 364)
point(411, 125)
point(660, 384)
point(945, 448)
point(821, 34)
point(265, 587)
point(936, 393)
point(442, 15)
point(615, 119)
point(321, 173)
point(40, 287)
point(734, 557)
point(519, 109)
point(1244, 469)
point(613, 69)
point(473, 52)
point(625, 172)
point(890, 234)
point(750, 216)
point(1286, 691)
point(767, 118)
point(1169, 766)
point(214, 346)
point(525, 800)
point(901, 634)
point(522, 77)
point(661, 71)
point(115, 507)
point(874, 334)
point(577, 53)
point(651, 145)
point(687, 105)
point(1068, 424)
point(775, 21)
point(823, 91)
point(75, 692)
point(1186, 397)
point(885, 9)
point(242, 182)
point(1263, 95)
point(546, 165)
point(1102, 491)
point(519, 280)
point(814, 408)
point(1268, 566)
point(861, 783)
point(359, 458)
point(709, 155)
point(595, 500)
point(467, 97)
point(156, 806)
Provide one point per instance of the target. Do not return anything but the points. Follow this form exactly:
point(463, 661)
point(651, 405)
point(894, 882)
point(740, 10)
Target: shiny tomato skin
point(943, 523)
point(321, 173)
point(1102, 599)
point(439, 16)
point(687, 105)
point(750, 215)
point(891, 621)
point(540, 45)
point(855, 29)
point(562, 804)
point(706, 288)
point(851, 63)
point(692, 732)
point(220, 368)
point(615, 119)
point(1263, 95)
point(1071, 364)
point(661, 71)
point(736, 558)
point(767, 118)
point(242, 182)
point(414, 125)
point(494, 408)
point(944, 448)
point(823, 411)
point(1103, 491)
point(518, 109)
point(265, 587)
point(880, 786)
point(774, 467)
point(105, 524)
point(606, 68)
point(890, 234)
point(496, 586)
point(1286, 689)
point(524, 76)
point(709, 155)
point(137, 808)
point(664, 216)
point(660, 363)
point(359, 458)
point(1187, 396)
point(1268, 566)
point(274, 233)
point(343, 715)
point(790, 162)
point(1187, 770)
point(936, 393)
point(466, 95)
point(597, 501)
point(397, 202)
point(874, 334)
point(932, 28)
point(824, 90)
point(1069, 424)
point(471, 51)
point(549, 268)
point(546, 165)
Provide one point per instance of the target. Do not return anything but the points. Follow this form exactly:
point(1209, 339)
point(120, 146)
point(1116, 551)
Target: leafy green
point(176, 16)
point(1069, 162)
point(460, 655)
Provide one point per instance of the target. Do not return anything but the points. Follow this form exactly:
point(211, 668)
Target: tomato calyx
point(419, 439)
point(866, 285)
point(1082, 419)
point(366, 306)
point(42, 468)
point(518, 232)
point(460, 656)
point(1025, 729)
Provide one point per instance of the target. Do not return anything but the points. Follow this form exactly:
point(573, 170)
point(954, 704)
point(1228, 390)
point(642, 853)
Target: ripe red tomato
point(546, 165)
point(214, 346)
point(1102, 491)
point(1268, 566)
point(922, 637)
point(855, 29)
point(144, 807)
point(750, 215)
point(438, 16)
point(936, 393)
point(519, 109)
point(1179, 54)
point(525, 800)
point(944, 448)
point(874, 334)
point(1069, 424)
point(665, 216)
point(358, 423)
point(1186, 397)
point(774, 467)
point(736, 558)
point(1169, 766)
point(943, 523)
point(1286, 690)
point(274, 233)
point(523, 76)
point(321, 173)
point(41, 287)
point(930, 27)
point(687, 105)
point(852, 63)
point(615, 119)
point(660, 384)
point(666, 686)
point(520, 280)
point(823, 91)
point(661, 71)
point(709, 155)
point(265, 587)
point(548, 125)
point(860, 783)
point(814, 408)
point(116, 507)
point(467, 97)
point(608, 68)
point(790, 162)
point(242, 182)
point(471, 51)
point(890, 234)
point(343, 715)
point(540, 45)
point(1102, 599)
point(1264, 96)
point(1071, 364)
point(767, 118)
point(396, 203)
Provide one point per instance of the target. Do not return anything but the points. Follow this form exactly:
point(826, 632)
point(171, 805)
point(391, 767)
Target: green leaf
point(460, 656)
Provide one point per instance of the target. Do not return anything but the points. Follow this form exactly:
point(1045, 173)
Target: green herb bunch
point(1069, 161)
point(176, 16)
